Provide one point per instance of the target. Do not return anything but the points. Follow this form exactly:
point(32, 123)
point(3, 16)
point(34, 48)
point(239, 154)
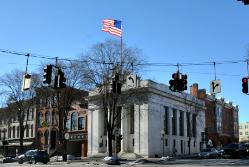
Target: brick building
point(61, 121)
point(221, 118)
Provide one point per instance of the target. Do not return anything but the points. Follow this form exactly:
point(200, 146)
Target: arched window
point(39, 120)
point(47, 118)
point(73, 121)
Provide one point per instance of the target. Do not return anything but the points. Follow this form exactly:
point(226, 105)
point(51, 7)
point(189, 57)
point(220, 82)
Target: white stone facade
point(156, 108)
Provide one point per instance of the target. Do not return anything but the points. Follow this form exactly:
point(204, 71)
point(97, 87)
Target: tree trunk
point(21, 138)
point(109, 144)
point(189, 146)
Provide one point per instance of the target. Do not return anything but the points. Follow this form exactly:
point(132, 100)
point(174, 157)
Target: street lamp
point(162, 134)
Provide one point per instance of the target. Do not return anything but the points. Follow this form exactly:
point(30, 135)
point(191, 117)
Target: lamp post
point(162, 134)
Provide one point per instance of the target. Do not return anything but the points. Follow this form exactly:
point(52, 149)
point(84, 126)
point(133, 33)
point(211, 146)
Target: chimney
point(202, 94)
point(194, 90)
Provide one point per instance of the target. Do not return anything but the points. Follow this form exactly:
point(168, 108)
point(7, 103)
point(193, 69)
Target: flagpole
point(121, 53)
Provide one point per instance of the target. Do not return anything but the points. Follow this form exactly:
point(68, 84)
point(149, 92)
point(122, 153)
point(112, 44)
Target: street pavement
point(144, 162)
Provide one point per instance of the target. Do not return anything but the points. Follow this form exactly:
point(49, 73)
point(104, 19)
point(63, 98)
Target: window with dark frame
point(14, 132)
point(81, 123)
point(73, 121)
point(188, 124)
point(166, 120)
point(132, 119)
point(181, 123)
point(174, 125)
point(194, 125)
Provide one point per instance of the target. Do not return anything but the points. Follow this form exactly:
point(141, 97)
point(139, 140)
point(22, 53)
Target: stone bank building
point(160, 122)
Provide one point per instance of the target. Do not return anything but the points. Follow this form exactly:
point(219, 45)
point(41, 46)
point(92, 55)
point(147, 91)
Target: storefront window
point(73, 121)
point(81, 123)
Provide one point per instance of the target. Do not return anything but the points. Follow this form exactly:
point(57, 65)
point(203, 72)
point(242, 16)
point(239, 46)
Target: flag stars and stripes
point(112, 26)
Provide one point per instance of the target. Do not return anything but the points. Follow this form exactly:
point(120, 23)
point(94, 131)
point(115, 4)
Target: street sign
point(215, 86)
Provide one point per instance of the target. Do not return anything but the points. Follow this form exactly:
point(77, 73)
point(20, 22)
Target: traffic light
point(120, 137)
point(173, 83)
point(246, 2)
point(245, 85)
point(178, 82)
point(47, 74)
point(61, 79)
point(183, 82)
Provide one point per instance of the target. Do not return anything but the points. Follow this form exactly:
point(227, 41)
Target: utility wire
point(139, 64)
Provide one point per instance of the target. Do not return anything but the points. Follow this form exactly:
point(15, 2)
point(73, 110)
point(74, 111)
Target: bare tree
point(65, 96)
point(19, 101)
point(100, 66)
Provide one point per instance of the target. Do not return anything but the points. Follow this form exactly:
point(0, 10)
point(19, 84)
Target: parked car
point(220, 152)
point(247, 148)
point(209, 153)
point(234, 151)
point(33, 156)
point(9, 159)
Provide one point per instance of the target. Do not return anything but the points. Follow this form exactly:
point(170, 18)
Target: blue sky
point(187, 31)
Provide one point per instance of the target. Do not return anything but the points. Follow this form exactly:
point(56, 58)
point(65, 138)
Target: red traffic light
point(175, 76)
point(245, 85)
point(244, 80)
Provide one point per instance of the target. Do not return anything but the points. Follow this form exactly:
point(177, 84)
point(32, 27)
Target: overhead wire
point(139, 64)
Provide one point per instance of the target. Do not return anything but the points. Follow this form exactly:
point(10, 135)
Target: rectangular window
point(181, 146)
point(81, 123)
point(174, 125)
point(246, 133)
point(14, 132)
point(246, 126)
point(181, 122)
point(194, 125)
point(166, 120)
point(132, 119)
point(166, 142)
point(9, 132)
point(188, 124)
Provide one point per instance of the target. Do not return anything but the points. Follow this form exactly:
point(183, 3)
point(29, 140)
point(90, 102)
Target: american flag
point(112, 26)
